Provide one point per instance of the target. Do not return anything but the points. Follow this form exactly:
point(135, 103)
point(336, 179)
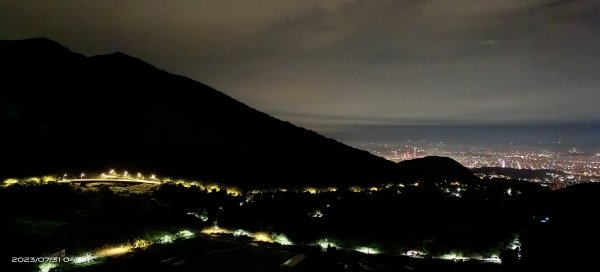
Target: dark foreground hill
point(61, 110)
point(565, 236)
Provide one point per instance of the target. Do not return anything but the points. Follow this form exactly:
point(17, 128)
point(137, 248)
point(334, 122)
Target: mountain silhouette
point(63, 111)
point(434, 168)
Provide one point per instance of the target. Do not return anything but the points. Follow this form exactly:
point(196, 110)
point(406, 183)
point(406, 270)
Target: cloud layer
point(319, 61)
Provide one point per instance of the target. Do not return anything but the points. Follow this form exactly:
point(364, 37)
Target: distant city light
point(574, 166)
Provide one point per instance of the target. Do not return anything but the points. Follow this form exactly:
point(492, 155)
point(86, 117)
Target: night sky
point(318, 62)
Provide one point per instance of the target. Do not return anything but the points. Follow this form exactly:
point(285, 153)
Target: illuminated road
point(110, 180)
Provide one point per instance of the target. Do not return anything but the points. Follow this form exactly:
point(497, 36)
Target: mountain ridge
point(62, 111)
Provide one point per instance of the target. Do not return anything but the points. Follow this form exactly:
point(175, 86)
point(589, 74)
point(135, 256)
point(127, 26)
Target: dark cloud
point(388, 61)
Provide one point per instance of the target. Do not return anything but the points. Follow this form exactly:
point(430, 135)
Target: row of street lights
point(113, 173)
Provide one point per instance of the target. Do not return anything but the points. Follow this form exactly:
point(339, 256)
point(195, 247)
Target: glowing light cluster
point(141, 243)
point(368, 250)
point(355, 189)
point(232, 191)
point(240, 232)
point(453, 257)
point(213, 187)
point(203, 216)
point(45, 267)
point(209, 187)
point(262, 237)
point(10, 181)
point(326, 243)
point(166, 239)
point(313, 190)
point(215, 230)
point(47, 179)
point(88, 257)
point(267, 237)
point(316, 213)
point(492, 259)
point(185, 234)
point(258, 236)
point(281, 239)
point(515, 244)
point(113, 251)
point(310, 190)
point(33, 179)
point(413, 253)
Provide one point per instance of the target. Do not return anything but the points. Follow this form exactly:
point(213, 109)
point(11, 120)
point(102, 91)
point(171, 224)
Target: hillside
point(63, 111)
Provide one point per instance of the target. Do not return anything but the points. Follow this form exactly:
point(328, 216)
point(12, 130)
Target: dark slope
point(433, 168)
point(568, 240)
point(62, 110)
